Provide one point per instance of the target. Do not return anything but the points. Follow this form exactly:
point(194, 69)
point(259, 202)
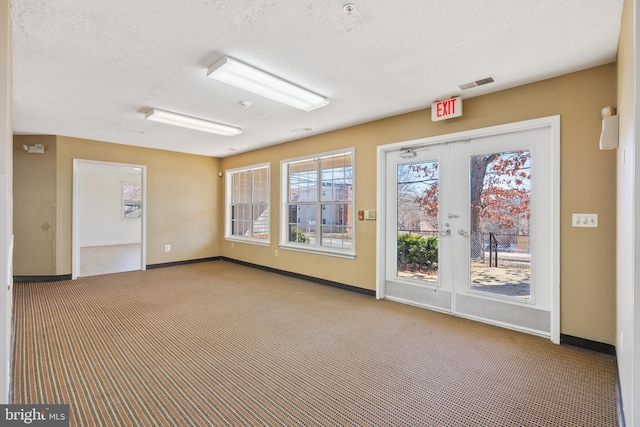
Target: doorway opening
point(108, 218)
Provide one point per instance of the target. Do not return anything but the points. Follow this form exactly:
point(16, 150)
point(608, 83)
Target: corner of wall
point(628, 216)
point(6, 202)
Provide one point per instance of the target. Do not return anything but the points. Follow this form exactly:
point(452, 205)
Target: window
point(131, 200)
point(247, 196)
point(318, 204)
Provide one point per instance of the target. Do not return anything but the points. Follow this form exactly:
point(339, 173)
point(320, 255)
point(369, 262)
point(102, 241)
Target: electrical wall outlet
point(167, 248)
point(584, 220)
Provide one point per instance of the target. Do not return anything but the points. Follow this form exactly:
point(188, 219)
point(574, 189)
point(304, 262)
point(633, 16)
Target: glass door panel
point(500, 213)
point(417, 220)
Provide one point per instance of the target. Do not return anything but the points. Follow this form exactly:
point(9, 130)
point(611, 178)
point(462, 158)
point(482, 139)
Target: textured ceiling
point(93, 68)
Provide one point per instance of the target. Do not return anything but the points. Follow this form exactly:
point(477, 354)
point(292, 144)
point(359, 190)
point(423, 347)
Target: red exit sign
point(447, 109)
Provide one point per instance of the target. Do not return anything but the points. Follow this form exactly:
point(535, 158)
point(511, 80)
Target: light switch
point(584, 220)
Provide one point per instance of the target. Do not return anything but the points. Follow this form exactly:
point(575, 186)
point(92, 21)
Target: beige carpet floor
point(219, 344)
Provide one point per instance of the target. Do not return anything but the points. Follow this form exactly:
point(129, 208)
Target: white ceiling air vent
point(477, 83)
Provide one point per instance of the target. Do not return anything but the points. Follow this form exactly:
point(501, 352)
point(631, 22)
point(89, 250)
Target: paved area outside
point(513, 282)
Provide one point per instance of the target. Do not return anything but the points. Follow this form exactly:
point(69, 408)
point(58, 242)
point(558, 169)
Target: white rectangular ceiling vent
point(477, 83)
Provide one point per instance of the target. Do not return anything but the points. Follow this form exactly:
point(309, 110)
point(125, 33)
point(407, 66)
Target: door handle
point(462, 232)
point(446, 232)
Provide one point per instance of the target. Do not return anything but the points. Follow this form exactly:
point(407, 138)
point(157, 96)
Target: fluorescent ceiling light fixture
point(191, 122)
point(236, 73)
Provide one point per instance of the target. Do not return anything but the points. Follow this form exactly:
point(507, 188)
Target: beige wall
point(628, 276)
point(182, 203)
point(34, 195)
point(587, 185)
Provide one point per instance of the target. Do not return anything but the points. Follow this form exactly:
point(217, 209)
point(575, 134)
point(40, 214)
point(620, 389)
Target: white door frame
point(79, 164)
point(552, 122)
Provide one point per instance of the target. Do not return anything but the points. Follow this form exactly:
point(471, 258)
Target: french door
point(469, 225)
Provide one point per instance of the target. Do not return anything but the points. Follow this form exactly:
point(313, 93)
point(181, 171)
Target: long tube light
point(239, 74)
point(176, 119)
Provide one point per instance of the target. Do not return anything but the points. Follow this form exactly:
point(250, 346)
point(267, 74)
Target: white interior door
point(471, 225)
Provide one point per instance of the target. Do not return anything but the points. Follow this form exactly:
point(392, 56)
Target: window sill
point(318, 251)
point(248, 240)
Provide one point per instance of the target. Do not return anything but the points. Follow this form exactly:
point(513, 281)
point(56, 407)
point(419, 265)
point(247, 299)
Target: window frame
point(229, 204)
point(349, 253)
point(128, 202)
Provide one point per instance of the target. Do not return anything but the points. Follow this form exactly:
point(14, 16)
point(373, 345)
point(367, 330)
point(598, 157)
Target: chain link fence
point(500, 250)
